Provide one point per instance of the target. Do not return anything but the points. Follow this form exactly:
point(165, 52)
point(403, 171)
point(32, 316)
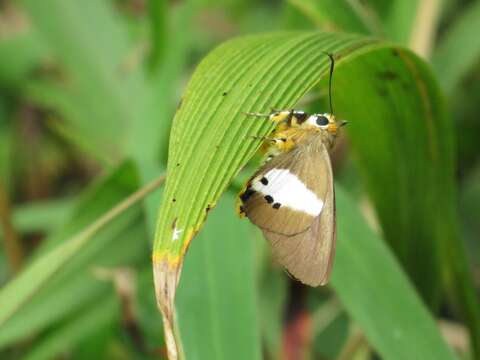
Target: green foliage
point(368, 281)
point(459, 48)
point(218, 288)
point(58, 281)
point(101, 312)
point(404, 128)
point(339, 15)
point(88, 91)
point(212, 138)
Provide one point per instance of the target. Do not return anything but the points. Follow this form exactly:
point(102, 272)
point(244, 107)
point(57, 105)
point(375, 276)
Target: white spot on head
point(286, 189)
point(176, 234)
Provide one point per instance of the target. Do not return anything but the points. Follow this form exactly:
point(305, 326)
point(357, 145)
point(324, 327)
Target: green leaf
point(55, 301)
point(334, 328)
point(22, 52)
point(148, 317)
point(214, 148)
point(6, 145)
point(42, 216)
point(149, 138)
point(399, 19)
point(59, 279)
point(470, 212)
point(112, 108)
point(217, 302)
point(68, 290)
point(273, 292)
point(157, 10)
point(403, 142)
point(75, 286)
point(399, 132)
point(102, 312)
point(106, 94)
point(404, 149)
point(458, 49)
point(374, 290)
point(351, 16)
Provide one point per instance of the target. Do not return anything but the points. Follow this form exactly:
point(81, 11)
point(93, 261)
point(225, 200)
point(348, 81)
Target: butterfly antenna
point(332, 66)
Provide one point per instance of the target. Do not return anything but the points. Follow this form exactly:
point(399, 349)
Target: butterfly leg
point(283, 119)
point(277, 116)
point(284, 140)
point(239, 208)
point(277, 143)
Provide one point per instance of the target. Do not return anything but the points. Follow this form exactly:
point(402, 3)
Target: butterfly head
point(326, 123)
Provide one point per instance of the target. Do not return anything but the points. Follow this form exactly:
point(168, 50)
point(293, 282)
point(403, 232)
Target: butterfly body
point(291, 197)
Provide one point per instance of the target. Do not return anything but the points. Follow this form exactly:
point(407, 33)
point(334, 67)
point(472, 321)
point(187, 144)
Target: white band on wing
point(286, 189)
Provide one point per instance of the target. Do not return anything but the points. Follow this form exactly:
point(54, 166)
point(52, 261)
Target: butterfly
point(291, 198)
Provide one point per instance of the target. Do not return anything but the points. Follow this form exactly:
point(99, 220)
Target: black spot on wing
point(247, 194)
point(269, 199)
point(276, 205)
point(264, 181)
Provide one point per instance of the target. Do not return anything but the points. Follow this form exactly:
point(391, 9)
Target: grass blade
point(105, 94)
point(217, 296)
point(16, 293)
point(350, 16)
point(459, 49)
point(102, 313)
point(405, 151)
point(369, 280)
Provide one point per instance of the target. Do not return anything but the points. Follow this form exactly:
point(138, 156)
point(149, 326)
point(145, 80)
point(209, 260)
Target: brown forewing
point(310, 163)
point(304, 244)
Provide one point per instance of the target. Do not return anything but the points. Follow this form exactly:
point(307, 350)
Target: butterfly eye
point(322, 120)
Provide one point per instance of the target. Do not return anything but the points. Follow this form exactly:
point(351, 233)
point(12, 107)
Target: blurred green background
point(88, 90)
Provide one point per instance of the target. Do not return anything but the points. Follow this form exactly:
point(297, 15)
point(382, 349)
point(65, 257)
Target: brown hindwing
point(304, 244)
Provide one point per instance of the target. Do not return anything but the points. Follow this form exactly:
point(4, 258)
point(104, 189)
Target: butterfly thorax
point(297, 127)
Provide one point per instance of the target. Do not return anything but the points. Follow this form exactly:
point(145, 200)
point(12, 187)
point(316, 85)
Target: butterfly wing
point(291, 198)
point(308, 256)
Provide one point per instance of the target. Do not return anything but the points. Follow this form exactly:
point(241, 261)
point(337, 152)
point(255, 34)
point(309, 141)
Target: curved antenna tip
point(332, 66)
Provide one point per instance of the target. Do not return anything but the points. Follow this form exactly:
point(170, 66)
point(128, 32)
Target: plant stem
point(121, 207)
point(424, 27)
